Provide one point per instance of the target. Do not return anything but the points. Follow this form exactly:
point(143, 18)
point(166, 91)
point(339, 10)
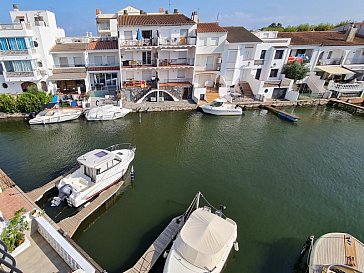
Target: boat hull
point(38, 120)
point(109, 113)
point(222, 112)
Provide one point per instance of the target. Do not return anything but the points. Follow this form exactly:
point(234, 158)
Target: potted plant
point(13, 235)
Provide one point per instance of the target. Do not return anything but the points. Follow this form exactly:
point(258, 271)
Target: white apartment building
point(335, 59)
point(24, 50)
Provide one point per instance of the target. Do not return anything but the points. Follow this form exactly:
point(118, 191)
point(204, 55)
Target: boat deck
point(338, 249)
point(148, 259)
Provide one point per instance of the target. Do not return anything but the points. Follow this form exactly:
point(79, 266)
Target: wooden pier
point(71, 224)
point(354, 108)
point(148, 259)
point(281, 113)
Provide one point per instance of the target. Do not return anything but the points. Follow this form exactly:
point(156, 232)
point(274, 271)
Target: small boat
point(203, 244)
point(56, 115)
point(337, 253)
point(220, 107)
point(106, 112)
point(99, 169)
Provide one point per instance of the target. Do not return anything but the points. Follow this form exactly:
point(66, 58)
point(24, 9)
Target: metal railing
point(138, 63)
point(14, 52)
point(68, 65)
point(19, 74)
point(174, 62)
point(121, 146)
point(179, 80)
point(102, 64)
point(18, 26)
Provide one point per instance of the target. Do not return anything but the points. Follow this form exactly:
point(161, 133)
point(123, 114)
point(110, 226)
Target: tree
point(296, 71)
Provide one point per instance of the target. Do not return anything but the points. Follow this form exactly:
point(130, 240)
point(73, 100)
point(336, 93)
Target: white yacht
point(56, 115)
point(220, 107)
point(99, 169)
point(203, 244)
point(106, 112)
point(337, 253)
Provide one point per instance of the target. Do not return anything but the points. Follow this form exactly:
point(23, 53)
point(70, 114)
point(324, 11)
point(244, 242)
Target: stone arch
point(167, 96)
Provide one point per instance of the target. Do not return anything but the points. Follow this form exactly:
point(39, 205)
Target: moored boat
point(99, 169)
point(220, 107)
point(106, 112)
point(337, 253)
point(203, 244)
point(56, 115)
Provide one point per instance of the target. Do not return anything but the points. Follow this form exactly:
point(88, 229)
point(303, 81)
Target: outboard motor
point(31, 116)
point(64, 192)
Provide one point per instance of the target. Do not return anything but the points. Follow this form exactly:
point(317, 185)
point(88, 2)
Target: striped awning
point(335, 70)
point(67, 76)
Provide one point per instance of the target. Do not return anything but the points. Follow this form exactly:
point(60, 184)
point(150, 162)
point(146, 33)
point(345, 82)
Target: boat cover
point(204, 238)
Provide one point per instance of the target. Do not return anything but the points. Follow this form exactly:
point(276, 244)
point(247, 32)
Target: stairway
point(246, 90)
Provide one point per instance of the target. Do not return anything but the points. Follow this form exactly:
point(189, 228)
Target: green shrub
point(31, 101)
point(13, 234)
point(7, 103)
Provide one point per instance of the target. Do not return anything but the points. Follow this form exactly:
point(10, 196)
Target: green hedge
point(24, 103)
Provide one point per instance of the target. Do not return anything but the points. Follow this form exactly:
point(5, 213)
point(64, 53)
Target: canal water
point(280, 182)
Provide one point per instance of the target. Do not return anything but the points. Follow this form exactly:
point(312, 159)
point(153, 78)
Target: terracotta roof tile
point(102, 45)
point(241, 35)
point(69, 47)
point(325, 38)
point(155, 20)
point(209, 27)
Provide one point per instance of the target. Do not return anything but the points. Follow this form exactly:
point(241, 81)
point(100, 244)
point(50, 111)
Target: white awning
point(204, 238)
point(335, 70)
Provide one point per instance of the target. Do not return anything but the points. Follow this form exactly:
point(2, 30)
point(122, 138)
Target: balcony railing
point(345, 88)
point(258, 62)
point(68, 65)
point(179, 80)
point(160, 41)
point(334, 61)
point(138, 63)
point(208, 67)
point(355, 61)
point(176, 62)
point(20, 74)
point(102, 64)
point(14, 52)
point(14, 26)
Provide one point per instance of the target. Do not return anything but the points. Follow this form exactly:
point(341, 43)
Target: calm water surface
point(280, 182)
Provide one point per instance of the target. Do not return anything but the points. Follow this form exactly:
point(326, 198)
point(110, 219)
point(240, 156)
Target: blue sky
point(78, 16)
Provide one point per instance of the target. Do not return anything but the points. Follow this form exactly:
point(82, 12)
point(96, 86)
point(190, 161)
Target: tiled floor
point(12, 200)
point(41, 257)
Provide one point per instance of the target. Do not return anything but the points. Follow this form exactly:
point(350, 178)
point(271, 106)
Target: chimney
point(350, 33)
point(98, 11)
point(175, 11)
point(166, 12)
point(125, 12)
point(161, 10)
point(142, 11)
point(194, 17)
point(15, 7)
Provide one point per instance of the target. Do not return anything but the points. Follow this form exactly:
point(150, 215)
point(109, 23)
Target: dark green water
point(280, 182)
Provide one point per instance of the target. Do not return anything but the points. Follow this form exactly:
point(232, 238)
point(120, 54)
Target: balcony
point(14, 52)
point(178, 41)
point(208, 67)
point(334, 61)
point(14, 26)
point(346, 88)
point(176, 62)
point(258, 62)
point(138, 64)
point(23, 76)
point(68, 65)
point(354, 60)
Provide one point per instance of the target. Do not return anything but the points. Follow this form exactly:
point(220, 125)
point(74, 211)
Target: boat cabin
point(218, 102)
point(97, 162)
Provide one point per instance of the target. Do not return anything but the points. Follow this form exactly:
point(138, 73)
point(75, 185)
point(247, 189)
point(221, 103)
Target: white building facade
point(24, 50)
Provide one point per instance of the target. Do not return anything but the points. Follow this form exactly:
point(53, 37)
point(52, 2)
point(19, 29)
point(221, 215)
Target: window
point(104, 26)
point(329, 55)
point(214, 41)
point(18, 66)
point(232, 54)
point(202, 41)
point(147, 57)
point(146, 34)
point(63, 61)
point(279, 54)
point(181, 74)
point(13, 43)
point(257, 75)
point(77, 61)
point(128, 35)
point(111, 60)
point(362, 53)
point(98, 60)
point(262, 54)
point(273, 73)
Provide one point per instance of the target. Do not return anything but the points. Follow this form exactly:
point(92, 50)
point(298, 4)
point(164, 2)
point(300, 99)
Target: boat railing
point(120, 146)
point(336, 267)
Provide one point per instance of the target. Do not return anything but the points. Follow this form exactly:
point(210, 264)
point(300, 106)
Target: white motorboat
point(106, 112)
point(56, 115)
point(220, 107)
point(99, 169)
point(203, 244)
point(337, 253)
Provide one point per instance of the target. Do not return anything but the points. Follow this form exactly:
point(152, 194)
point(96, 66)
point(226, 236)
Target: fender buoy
point(97, 103)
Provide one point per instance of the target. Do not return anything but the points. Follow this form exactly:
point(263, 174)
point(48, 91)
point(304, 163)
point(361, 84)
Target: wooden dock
point(148, 259)
point(281, 113)
point(354, 108)
point(71, 224)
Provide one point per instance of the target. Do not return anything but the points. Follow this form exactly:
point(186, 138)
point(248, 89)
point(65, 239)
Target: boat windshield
point(216, 104)
point(42, 114)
